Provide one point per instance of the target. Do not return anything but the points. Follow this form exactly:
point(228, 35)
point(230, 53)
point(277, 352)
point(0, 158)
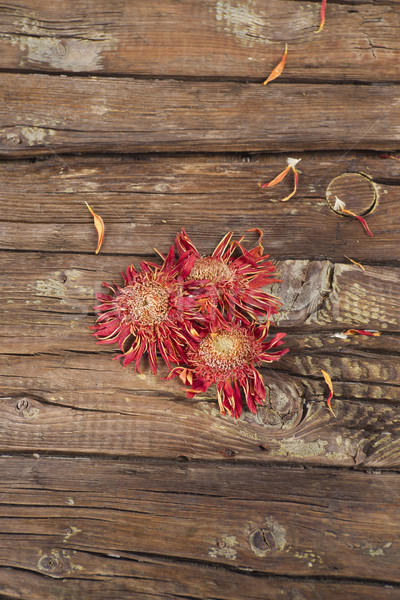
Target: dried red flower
point(226, 355)
point(147, 313)
point(223, 280)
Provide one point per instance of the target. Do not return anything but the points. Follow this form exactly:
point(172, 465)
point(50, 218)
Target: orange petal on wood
point(260, 234)
point(277, 179)
point(328, 382)
point(99, 224)
point(355, 262)
point(278, 69)
point(361, 219)
point(362, 332)
point(296, 179)
point(322, 15)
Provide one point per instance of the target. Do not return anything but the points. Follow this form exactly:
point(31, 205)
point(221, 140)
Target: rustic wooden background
point(114, 485)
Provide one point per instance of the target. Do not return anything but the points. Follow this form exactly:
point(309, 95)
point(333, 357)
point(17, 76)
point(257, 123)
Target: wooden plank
point(203, 39)
point(89, 405)
point(315, 294)
point(145, 202)
point(168, 581)
point(47, 309)
point(75, 114)
point(94, 519)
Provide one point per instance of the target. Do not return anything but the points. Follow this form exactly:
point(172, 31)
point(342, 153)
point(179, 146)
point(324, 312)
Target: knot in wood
point(49, 563)
point(22, 404)
point(228, 453)
point(262, 540)
point(356, 190)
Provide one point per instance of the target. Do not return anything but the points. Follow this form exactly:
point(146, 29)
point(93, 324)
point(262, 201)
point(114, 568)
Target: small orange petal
point(361, 219)
point(296, 179)
point(355, 262)
point(328, 382)
point(322, 16)
point(362, 332)
point(260, 234)
point(99, 224)
point(279, 67)
point(277, 179)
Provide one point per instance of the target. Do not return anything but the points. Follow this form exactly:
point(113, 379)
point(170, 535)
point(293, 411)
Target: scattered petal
point(296, 180)
point(339, 206)
point(328, 382)
point(396, 156)
point(369, 332)
point(99, 224)
point(322, 16)
point(279, 67)
point(362, 221)
point(355, 262)
point(291, 162)
point(277, 179)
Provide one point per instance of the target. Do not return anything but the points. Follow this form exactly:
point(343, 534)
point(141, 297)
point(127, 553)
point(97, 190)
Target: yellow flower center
point(144, 302)
point(210, 268)
point(225, 350)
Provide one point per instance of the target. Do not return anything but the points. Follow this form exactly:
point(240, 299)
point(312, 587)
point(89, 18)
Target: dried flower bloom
point(147, 313)
point(226, 355)
point(222, 282)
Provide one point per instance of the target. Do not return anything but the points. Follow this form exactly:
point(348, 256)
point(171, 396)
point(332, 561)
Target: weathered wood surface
point(92, 520)
point(74, 114)
point(224, 39)
point(112, 483)
point(145, 202)
point(50, 402)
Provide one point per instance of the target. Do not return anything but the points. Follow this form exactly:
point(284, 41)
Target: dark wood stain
point(113, 484)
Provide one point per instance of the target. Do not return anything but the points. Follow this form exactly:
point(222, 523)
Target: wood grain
point(145, 201)
point(88, 405)
point(92, 520)
point(315, 294)
point(166, 580)
point(40, 113)
point(113, 484)
point(225, 39)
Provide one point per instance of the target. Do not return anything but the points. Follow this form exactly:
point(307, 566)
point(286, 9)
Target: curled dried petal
point(99, 224)
point(278, 69)
point(328, 382)
point(277, 179)
point(361, 219)
point(340, 207)
point(291, 165)
point(368, 332)
point(355, 262)
point(296, 180)
point(322, 16)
